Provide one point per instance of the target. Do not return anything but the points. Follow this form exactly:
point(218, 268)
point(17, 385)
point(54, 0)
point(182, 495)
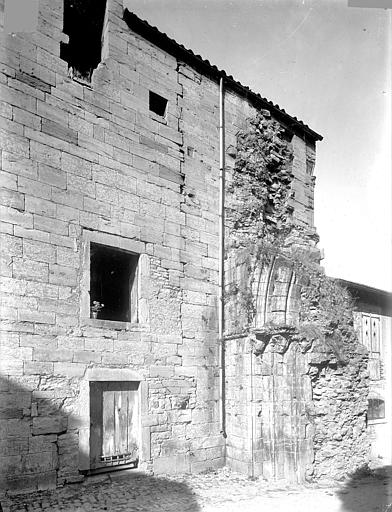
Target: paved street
point(213, 492)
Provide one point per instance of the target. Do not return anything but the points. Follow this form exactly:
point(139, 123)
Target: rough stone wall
point(341, 441)
point(302, 417)
point(302, 414)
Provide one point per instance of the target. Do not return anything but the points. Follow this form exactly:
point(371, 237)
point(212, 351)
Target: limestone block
point(161, 371)
point(39, 462)
point(47, 480)
point(18, 98)
point(45, 154)
point(42, 443)
point(69, 369)
point(38, 251)
point(37, 368)
point(177, 464)
point(75, 165)
point(44, 290)
point(60, 131)
point(62, 275)
point(10, 246)
point(14, 446)
point(49, 425)
point(12, 199)
point(51, 225)
point(11, 465)
point(14, 216)
point(52, 176)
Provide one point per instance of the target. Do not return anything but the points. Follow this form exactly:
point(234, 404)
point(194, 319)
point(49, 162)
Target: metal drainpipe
point(252, 415)
point(222, 255)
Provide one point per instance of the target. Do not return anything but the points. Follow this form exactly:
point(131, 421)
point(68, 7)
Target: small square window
point(113, 284)
point(157, 104)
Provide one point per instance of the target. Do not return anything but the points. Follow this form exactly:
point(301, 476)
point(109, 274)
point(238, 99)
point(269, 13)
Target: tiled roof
point(203, 66)
point(368, 299)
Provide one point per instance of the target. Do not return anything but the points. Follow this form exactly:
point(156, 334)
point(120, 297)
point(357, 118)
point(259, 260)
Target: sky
point(329, 65)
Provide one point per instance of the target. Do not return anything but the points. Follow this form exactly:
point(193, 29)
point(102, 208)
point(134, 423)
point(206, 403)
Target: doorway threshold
point(113, 469)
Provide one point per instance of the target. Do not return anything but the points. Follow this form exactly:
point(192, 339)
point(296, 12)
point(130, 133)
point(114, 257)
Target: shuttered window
point(371, 340)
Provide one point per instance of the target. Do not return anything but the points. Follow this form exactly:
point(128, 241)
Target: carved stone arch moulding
point(278, 339)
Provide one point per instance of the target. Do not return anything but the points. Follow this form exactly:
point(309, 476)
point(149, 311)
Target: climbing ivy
point(261, 179)
point(262, 228)
point(258, 212)
point(326, 312)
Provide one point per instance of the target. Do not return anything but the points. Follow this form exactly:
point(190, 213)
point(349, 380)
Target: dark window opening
point(376, 409)
point(157, 104)
point(113, 284)
point(310, 167)
point(83, 23)
point(287, 135)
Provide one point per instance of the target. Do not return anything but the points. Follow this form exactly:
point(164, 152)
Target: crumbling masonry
point(110, 318)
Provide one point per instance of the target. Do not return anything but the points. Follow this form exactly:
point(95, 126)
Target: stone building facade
point(110, 346)
point(373, 321)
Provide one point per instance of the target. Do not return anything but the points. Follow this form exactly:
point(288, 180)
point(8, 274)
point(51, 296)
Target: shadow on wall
point(39, 450)
point(368, 491)
point(39, 442)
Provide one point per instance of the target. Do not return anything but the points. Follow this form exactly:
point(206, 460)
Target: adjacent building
point(373, 320)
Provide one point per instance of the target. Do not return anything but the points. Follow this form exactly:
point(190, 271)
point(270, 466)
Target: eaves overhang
point(204, 67)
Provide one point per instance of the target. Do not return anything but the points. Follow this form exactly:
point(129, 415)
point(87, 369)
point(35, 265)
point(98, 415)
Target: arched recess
point(277, 294)
point(282, 423)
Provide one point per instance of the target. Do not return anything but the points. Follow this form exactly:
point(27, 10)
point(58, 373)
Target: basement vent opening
point(113, 284)
point(84, 24)
point(157, 104)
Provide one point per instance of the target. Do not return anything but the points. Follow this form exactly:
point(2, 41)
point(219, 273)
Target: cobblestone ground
point(220, 491)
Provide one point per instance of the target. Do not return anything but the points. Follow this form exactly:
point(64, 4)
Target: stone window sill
point(377, 422)
point(111, 324)
point(156, 117)
point(82, 81)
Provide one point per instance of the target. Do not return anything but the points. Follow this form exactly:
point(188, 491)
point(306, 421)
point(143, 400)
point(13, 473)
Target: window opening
point(376, 409)
point(157, 104)
point(310, 166)
point(83, 23)
point(113, 284)
point(371, 340)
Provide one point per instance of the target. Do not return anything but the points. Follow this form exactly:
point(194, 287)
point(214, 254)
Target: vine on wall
point(326, 312)
point(262, 228)
point(261, 179)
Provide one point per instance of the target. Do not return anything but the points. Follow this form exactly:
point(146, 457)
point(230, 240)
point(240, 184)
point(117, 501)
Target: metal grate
point(118, 460)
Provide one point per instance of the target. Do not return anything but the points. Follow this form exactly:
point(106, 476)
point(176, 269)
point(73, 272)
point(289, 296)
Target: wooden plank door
point(114, 433)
